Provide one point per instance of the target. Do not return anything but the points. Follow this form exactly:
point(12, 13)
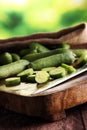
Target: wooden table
point(76, 120)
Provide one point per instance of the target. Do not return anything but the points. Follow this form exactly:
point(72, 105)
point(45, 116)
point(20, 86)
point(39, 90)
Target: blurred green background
point(23, 17)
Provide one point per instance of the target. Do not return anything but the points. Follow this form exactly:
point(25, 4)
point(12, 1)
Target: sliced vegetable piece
point(42, 77)
point(25, 73)
point(58, 72)
point(12, 81)
point(82, 60)
point(47, 69)
point(31, 78)
point(53, 61)
point(13, 68)
point(69, 68)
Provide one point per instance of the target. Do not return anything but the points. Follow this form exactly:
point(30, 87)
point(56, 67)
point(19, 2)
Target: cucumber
point(63, 45)
point(70, 69)
point(42, 77)
point(79, 52)
point(12, 81)
point(53, 61)
point(25, 73)
point(13, 68)
point(15, 57)
point(5, 58)
point(38, 47)
point(32, 57)
point(31, 78)
point(81, 60)
point(58, 72)
point(24, 52)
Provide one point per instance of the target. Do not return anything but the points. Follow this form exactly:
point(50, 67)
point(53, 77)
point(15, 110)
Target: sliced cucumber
point(59, 72)
point(31, 78)
point(25, 73)
point(47, 69)
point(70, 69)
point(42, 77)
point(82, 60)
point(12, 81)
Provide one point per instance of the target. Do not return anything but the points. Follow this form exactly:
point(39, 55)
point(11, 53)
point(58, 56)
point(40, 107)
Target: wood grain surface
point(51, 104)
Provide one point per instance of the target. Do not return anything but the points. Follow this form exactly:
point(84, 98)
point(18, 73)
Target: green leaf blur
point(24, 17)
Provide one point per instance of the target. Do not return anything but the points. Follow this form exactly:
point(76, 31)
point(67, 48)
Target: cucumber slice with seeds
point(59, 72)
point(25, 73)
point(12, 81)
point(42, 77)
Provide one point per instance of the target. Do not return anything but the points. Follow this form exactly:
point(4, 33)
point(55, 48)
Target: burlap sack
point(73, 35)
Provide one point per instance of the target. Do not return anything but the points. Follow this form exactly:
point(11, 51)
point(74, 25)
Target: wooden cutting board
point(50, 104)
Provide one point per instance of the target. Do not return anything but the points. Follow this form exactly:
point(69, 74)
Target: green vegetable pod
point(13, 81)
point(15, 57)
point(32, 57)
point(38, 47)
point(53, 61)
point(5, 58)
point(13, 68)
point(63, 45)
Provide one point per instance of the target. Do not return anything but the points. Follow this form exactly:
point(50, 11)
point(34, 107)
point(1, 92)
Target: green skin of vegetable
point(32, 57)
point(12, 68)
point(70, 69)
point(12, 81)
point(38, 47)
point(79, 52)
point(5, 58)
point(53, 61)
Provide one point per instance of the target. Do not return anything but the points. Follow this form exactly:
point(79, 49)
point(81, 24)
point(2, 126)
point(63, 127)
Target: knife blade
point(56, 82)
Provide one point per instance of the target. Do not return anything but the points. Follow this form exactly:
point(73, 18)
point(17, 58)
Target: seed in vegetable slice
point(12, 81)
point(25, 73)
point(70, 69)
point(58, 72)
point(42, 77)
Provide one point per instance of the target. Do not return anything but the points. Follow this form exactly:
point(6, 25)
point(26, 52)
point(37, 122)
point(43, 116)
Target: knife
point(61, 80)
